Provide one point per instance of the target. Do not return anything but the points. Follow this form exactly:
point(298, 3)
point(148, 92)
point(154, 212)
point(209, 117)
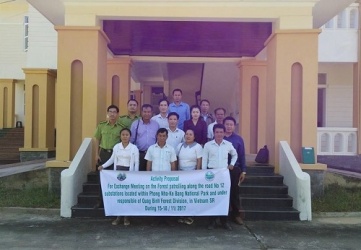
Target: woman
point(197, 124)
point(189, 158)
point(126, 158)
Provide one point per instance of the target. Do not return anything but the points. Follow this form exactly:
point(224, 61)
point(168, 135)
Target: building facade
point(288, 74)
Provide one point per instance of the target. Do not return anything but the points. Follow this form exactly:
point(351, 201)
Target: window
point(329, 24)
point(26, 33)
point(341, 20)
point(353, 19)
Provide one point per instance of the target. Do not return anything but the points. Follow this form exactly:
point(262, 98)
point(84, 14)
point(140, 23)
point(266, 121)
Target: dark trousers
point(142, 161)
point(235, 202)
point(104, 156)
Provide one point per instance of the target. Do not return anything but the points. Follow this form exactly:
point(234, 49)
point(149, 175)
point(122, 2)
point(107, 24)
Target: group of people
point(178, 138)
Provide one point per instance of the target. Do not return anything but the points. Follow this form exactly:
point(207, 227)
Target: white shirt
point(127, 157)
point(216, 156)
point(161, 158)
point(188, 155)
point(162, 121)
point(210, 134)
point(175, 137)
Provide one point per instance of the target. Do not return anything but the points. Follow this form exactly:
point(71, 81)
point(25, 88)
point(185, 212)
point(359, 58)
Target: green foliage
point(338, 199)
point(32, 197)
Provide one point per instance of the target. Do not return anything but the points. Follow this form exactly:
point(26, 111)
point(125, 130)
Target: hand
point(100, 168)
point(97, 159)
point(242, 177)
point(230, 167)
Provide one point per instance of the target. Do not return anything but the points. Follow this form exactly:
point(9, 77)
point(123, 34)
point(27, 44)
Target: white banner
point(166, 193)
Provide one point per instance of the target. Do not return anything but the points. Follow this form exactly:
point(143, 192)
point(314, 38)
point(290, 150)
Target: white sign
point(166, 193)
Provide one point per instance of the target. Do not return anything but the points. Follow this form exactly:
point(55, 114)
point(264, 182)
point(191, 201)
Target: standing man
point(238, 174)
point(106, 135)
point(175, 135)
point(208, 118)
point(144, 134)
point(215, 155)
point(161, 156)
point(220, 113)
point(162, 117)
point(181, 108)
point(128, 119)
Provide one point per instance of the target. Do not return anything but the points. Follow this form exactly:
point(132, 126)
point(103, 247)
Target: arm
point(242, 161)
point(97, 138)
point(233, 153)
point(188, 113)
point(97, 157)
point(132, 129)
point(110, 161)
point(149, 165)
point(173, 166)
point(199, 163)
point(173, 160)
point(204, 132)
point(205, 157)
point(136, 158)
point(199, 152)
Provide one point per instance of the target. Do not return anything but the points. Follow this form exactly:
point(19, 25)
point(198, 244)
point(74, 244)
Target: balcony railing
point(337, 141)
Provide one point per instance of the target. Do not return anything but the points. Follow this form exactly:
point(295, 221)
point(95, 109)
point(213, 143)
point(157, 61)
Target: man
point(128, 119)
point(143, 134)
point(161, 156)
point(215, 155)
point(175, 135)
point(238, 174)
point(181, 108)
point(220, 114)
point(208, 118)
point(162, 117)
point(106, 135)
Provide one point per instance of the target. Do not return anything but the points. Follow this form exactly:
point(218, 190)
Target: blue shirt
point(145, 135)
point(182, 110)
point(238, 144)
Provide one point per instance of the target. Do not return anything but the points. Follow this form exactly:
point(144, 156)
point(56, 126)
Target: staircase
point(11, 139)
point(88, 198)
point(265, 197)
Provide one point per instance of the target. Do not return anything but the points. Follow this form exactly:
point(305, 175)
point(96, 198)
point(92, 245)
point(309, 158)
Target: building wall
point(42, 51)
point(221, 86)
point(338, 41)
point(13, 55)
point(339, 87)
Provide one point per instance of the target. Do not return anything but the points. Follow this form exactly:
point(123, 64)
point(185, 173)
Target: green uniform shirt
point(107, 134)
point(126, 120)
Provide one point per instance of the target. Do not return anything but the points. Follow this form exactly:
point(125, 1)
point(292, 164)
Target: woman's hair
point(126, 129)
point(195, 107)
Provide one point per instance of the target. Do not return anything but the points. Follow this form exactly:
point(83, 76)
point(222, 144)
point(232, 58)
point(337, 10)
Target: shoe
point(181, 220)
point(188, 221)
point(212, 225)
point(126, 221)
point(116, 221)
point(227, 226)
point(97, 205)
point(238, 220)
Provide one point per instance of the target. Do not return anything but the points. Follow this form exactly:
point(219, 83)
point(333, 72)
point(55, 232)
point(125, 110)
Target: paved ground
point(44, 229)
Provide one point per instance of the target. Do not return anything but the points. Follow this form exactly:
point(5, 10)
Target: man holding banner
point(215, 156)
